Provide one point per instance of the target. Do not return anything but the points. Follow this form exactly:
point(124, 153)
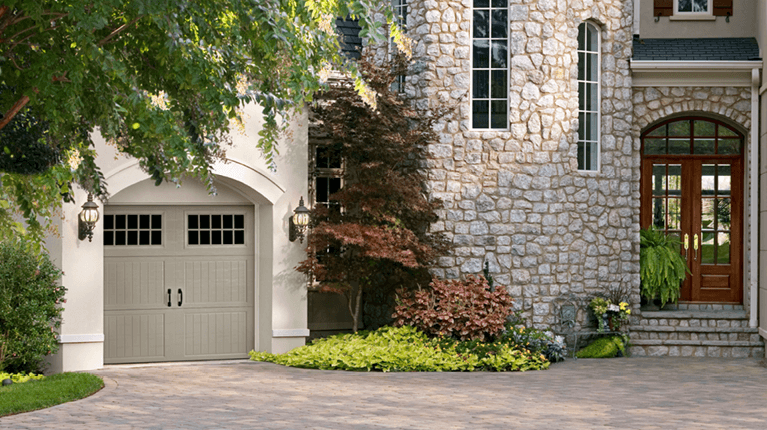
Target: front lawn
point(406, 349)
point(49, 391)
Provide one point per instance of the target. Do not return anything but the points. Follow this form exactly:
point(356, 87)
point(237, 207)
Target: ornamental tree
point(162, 80)
point(376, 231)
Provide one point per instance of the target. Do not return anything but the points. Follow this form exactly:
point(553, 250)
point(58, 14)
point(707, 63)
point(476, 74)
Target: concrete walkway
point(629, 393)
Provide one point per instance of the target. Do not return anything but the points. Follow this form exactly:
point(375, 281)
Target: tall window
point(328, 174)
point(588, 97)
point(399, 9)
point(490, 59)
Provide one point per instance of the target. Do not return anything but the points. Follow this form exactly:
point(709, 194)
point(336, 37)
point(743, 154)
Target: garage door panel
point(217, 333)
point(134, 336)
point(132, 284)
point(211, 313)
point(216, 283)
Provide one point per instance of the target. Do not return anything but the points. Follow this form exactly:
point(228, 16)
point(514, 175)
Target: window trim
point(471, 70)
point(598, 103)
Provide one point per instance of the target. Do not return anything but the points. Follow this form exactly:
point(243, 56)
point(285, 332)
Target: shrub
point(29, 309)
point(538, 341)
point(662, 269)
point(466, 310)
point(604, 347)
point(404, 349)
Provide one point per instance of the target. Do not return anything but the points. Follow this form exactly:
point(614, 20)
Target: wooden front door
point(692, 188)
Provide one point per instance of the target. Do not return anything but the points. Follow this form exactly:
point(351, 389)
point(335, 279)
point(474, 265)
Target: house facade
point(577, 123)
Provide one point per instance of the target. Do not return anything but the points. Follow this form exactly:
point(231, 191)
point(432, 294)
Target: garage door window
point(132, 229)
point(203, 229)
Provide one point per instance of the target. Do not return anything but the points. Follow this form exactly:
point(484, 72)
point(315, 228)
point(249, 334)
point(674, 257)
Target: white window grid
point(399, 10)
point(507, 69)
point(589, 143)
point(690, 8)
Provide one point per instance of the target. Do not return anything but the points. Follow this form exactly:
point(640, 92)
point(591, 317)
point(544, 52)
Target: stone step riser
point(687, 336)
point(692, 322)
point(697, 351)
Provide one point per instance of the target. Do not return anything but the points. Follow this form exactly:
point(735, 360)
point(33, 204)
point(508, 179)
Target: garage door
point(179, 283)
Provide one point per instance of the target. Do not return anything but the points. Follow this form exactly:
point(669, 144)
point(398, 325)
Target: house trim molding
point(81, 338)
point(291, 332)
point(693, 73)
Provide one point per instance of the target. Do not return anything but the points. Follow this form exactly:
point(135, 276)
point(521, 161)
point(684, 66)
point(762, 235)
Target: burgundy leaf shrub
point(464, 309)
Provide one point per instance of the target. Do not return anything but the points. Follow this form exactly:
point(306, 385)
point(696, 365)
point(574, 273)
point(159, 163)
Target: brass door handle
point(695, 246)
point(686, 244)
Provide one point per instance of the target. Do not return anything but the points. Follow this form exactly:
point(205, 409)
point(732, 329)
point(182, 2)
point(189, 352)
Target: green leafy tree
point(161, 80)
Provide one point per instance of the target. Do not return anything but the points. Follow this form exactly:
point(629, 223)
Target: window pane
point(674, 180)
point(674, 214)
point(143, 237)
point(581, 66)
point(120, 237)
point(144, 222)
point(481, 54)
point(499, 54)
point(723, 180)
point(108, 238)
point(239, 221)
point(700, 6)
point(228, 221)
point(724, 131)
point(133, 237)
point(679, 146)
point(592, 127)
point(708, 247)
point(228, 237)
point(582, 98)
point(592, 97)
point(499, 24)
point(192, 219)
point(480, 85)
point(729, 146)
point(498, 116)
point(156, 237)
point(239, 237)
point(193, 238)
point(659, 180)
point(685, 6)
point(205, 237)
point(679, 128)
point(499, 88)
point(500, 3)
point(109, 222)
point(708, 180)
point(723, 248)
point(592, 152)
point(479, 114)
point(481, 23)
point(120, 222)
point(707, 214)
point(581, 40)
point(133, 222)
point(593, 63)
point(156, 221)
point(723, 211)
point(481, 3)
point(655, 146)
point(204, 221)
point(659, 213)
point(704, 128)
point(215, 221)
point(704, 146)
point(334, 186)
point(215, 238)
point(660, 131)
point(593, 39)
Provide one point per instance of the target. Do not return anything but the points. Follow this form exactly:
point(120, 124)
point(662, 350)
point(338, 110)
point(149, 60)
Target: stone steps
point(696, 333)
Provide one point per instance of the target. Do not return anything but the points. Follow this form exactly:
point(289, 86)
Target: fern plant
point(661, 267)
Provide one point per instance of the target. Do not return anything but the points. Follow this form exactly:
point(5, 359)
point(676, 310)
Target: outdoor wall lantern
point(87, 219)
point(298, 222)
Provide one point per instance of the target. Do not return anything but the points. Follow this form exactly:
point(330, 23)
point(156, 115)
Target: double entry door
point(699, 200)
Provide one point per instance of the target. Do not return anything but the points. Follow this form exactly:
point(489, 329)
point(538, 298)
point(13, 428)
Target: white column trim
point(291, 332)
point(80, 338)
point(753, 191)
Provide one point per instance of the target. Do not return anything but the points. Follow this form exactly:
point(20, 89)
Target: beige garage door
point(179, 283)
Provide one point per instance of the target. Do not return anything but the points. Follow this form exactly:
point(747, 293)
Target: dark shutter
point(722, 7)
point(664, 8)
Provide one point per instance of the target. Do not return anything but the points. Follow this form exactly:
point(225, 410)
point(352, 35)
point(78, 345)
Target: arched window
point(589, 69)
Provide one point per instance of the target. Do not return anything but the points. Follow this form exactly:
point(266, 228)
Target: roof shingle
point(710, 49)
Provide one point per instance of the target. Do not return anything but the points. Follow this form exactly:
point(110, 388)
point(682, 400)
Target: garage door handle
point(180, 297)
point(168, 297)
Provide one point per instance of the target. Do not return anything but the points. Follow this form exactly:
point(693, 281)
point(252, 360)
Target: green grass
point(51, 391)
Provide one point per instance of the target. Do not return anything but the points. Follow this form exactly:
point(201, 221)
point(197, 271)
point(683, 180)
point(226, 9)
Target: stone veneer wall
point(514, 198)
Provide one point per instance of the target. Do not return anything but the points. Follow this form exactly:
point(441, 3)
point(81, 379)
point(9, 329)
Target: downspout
point(753, 190)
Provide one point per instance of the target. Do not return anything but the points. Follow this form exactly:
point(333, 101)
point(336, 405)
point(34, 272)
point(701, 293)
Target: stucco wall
point(743, 23)
point(281, 293)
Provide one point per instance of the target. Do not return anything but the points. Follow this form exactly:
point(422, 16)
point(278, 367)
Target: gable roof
point(349, 37)
point(710, 49)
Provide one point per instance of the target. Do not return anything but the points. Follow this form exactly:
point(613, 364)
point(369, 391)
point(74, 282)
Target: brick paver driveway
point(662, 393)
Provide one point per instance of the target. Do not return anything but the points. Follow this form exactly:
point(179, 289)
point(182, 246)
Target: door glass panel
point(707, 214)
point(724, 131)
point(674, 214)
point(708, 247)
point(723, 248)
point(704, 128)
point(724, 178)
point(659, 213)
point(659, 180)
point(708, 180)
point(674, 180)
point(704, 146)
point(679, 146)
point(723, 210)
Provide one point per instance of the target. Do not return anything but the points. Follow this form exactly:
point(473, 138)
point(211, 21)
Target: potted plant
point(610, 315)
point(662, 268)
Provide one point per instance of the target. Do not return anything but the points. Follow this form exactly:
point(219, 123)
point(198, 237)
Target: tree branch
point(118, 30)
point(13, 111)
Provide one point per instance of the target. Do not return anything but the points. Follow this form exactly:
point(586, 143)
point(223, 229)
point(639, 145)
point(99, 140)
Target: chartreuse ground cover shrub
point(406, 349)
point(50, 391)
point(605, 347)
point(30, 307)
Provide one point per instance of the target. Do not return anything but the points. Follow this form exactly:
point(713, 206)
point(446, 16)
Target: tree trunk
point(354, 301)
